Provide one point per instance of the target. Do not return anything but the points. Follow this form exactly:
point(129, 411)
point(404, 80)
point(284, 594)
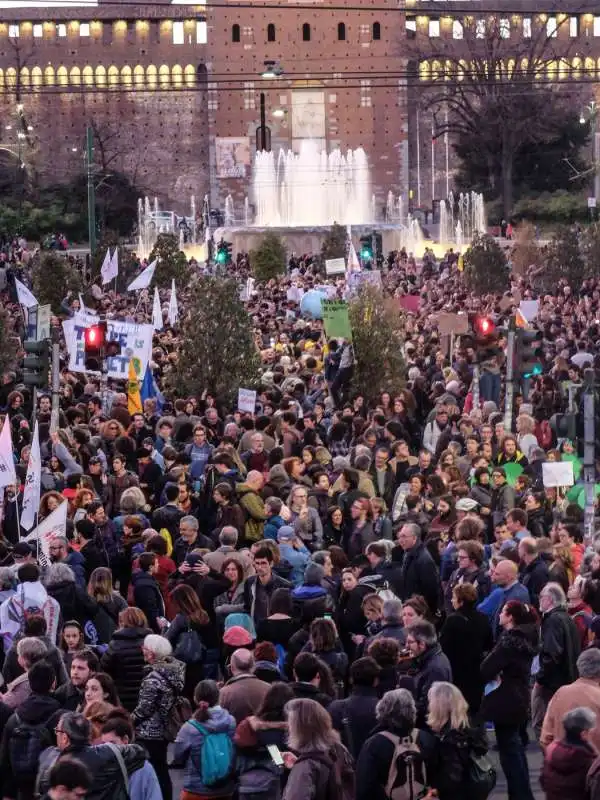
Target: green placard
point(336, 319)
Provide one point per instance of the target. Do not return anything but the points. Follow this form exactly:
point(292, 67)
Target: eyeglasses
point(58, 730)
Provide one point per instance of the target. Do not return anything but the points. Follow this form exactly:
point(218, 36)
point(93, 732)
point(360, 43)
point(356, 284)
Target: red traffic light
point(94, 336)
point(484, 326)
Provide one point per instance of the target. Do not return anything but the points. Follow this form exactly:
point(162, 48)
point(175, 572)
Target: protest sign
point(247, 400)
point(453, 323)
point(558, 473)
point(335, 266)
point(529, 309)
point(336, 319)
point(135, 341)
point(356, 279)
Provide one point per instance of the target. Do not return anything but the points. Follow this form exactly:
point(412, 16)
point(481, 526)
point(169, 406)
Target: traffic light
point(528, 353)
point(94, 339)
point(36, 365)
point(485, 337)
point(366, 248)
point(223, 252)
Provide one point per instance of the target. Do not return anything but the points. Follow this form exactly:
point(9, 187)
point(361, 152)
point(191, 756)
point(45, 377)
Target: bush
point(53, 278)
point(485, 266)
point(269, 260)
point(172, 262)
point(553, 207)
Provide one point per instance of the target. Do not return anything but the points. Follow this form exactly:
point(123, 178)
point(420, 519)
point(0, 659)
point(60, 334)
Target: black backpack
point(25, 746)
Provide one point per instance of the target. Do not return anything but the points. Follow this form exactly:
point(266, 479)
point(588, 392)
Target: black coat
point(534, 577)
point(359, 711)
point(432, 665)
point(350, 614)
point(94, 557)
point(124, 662)
point(466, 638)
point(419, 575)
point(511, 661)
point(148, 598)
point(74, 602)
point(559, 650)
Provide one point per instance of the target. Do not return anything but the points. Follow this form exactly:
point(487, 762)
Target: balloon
point(310, 305)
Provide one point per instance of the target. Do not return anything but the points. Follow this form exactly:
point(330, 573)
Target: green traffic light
point(365, 254)
point(221, 256)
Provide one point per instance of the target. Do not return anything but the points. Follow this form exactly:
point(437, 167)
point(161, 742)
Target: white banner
point(335, 266)
point(157, 316)
point(106, 270)
point(25, 296)
point(55, 524)
point(144, 279)
point(247, 400)
point(135, 341)
point(33, 481)
point(173, 307)
point(8, 476)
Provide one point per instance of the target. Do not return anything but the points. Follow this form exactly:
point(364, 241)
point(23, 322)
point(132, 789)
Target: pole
point(475, 390)
point(447, 146)
point(432, 162)
point(596, 145)
point(54, 418)
point(418, 161)
point(510, 377)
point(589, 464)
point(89, 148)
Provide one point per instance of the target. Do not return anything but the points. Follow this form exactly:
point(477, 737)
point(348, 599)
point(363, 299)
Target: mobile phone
point(275, 754)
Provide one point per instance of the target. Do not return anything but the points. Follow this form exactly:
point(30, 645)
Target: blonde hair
point(446, 706)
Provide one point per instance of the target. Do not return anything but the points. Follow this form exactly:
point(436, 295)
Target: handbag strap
point(117, 754)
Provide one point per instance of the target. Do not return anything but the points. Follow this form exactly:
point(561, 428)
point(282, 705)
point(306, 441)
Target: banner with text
point(135, 341)
point(336, 319)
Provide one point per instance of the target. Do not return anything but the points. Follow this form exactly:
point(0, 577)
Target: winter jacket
point(106, 620)
point(76, 561)
point(30, 597)
point(159, 690)
point(124, 662)
point(69, 697)
point(250, 590)
point(187, 751)
point(254, 766)
point(358, 540)
point(298, 558)
point(449, 767)
point(310, 602)
point(100, 760)
point(12, 669)
point(354, 718)
point(272, 525)
point(584, 692)
point(418, 575)
point(432, 666)
point(147, 597)
point(309, 528)
point(510, 661)
point(254, 509)
point(75, 603)
point(243, 695)
point(168, 517)
point(308, 691)
point(566, 765)
point(534, 577)
point(477, 577)
point(466, 637)
point(559, 650)
point(95, 556)
point(593, 781)
point(226, 603)
point(36, 710)
point(309, 777)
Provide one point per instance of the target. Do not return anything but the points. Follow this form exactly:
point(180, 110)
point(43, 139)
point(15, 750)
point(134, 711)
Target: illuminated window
point(61, 29)
point(434, 28)
point(84, 29)
point(38, 31)
point(574, 27)
point(13, 31)
point(552, 28)
point(480, 29)
point(411, 27)
point(201, 32)
point(596, 26)
point(178, 34)
point(504, 28)
point(457, 29)
point(527, 27)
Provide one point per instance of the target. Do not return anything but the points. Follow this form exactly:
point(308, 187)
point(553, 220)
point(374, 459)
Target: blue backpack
point(281, 657)
point(216, 757)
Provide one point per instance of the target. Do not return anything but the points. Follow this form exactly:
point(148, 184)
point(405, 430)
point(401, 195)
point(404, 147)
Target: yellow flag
point(134, 399)
point(520, 320)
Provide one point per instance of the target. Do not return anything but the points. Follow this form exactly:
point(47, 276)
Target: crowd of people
point(334, 597)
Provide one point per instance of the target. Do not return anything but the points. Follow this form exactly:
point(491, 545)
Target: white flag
point(144, 279)
point(106, 269)
point(24, 295)
point(81, 304)
point(55, 524)
point(8, 476)
point(33, 481)
point(353, 262)
point(157, 316)
point(173, 307)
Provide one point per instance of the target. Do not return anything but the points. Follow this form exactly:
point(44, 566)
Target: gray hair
point(588, 664)
point(31, 649)
point(242, 660)
point(392, 610)
point(413, 529)
point(228, 536)
point(59, 573)
point(556, 593)
point(76, 727)
point(158, 645)
point(423, 633)
point(7, 578)
point(578, 720)
point(396, 709)
point(191, 521)
point(132, 500)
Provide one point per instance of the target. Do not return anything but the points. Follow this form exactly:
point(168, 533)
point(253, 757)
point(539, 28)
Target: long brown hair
point(186, 601)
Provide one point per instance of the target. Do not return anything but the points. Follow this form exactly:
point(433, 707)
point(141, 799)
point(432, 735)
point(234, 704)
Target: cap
point(466, 504)
point(22, 549)
point(194, 558)
point(286, 534)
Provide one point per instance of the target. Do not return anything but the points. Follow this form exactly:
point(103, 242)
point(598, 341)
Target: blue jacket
point(492, 605)
point(187, 751)
point(77, 563)
point(143, 784)
point(298, 558)
point(272, 525)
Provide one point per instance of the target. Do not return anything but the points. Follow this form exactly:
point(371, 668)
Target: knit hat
point(237, 637)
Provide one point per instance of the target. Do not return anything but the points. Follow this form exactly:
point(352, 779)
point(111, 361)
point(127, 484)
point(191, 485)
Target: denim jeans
point(489, 387)
point(513, 760)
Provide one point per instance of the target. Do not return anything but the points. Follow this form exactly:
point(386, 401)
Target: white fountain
point(152, 221)
point(229, 212)
point(461, 218)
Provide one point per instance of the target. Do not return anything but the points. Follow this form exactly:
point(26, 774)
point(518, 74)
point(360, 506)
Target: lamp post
point(590, 113)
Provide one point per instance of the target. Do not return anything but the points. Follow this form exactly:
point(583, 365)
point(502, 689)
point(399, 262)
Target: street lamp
point(590, 114)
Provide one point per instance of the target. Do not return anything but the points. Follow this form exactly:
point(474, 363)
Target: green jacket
point(254, 510)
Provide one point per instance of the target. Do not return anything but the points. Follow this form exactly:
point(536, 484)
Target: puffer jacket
point(256, 770)
point(158, 692)
point(187, 751)
point(124, 662)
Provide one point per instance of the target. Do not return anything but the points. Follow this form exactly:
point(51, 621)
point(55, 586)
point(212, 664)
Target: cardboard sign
point(44, 314)
point(559, 473)
point(529, 309)
point(410, 302)
point(336, 319)
point(335, 266)
point(247, 400)
point(452, 323)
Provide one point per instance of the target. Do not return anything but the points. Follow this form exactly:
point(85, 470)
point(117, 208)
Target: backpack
point(25, 747)
point(189, 647)
point(340, 780)
point(407, 776)
point(179, 713)
point(216, 756)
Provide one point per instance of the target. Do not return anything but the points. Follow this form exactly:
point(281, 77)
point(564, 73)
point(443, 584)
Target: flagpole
point(17, 510)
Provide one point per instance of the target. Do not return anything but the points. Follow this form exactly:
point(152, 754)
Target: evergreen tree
point(53, 278)
point(568, 258)
point(334, 243)
point(269, 259)
point(172, 262)
point(485, 266)
point(217, 352)
point(377, 329)
point(7, 344)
